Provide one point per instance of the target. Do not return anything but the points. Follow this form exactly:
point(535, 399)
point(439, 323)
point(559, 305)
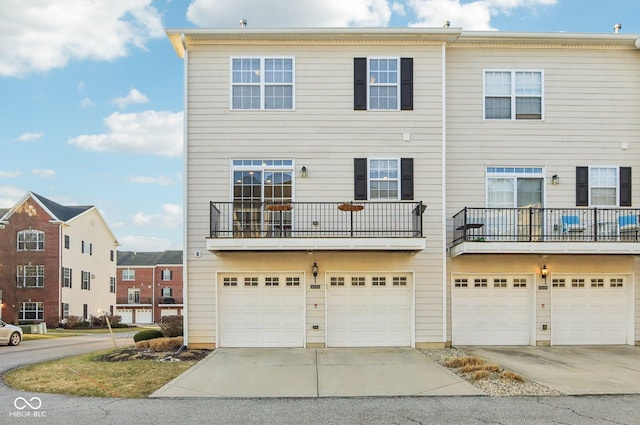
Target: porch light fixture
point(555, 180)
point(544, 271)
point(303, 172)
point(314, 271)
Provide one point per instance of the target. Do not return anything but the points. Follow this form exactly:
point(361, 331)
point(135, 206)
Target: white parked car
point(10, 334)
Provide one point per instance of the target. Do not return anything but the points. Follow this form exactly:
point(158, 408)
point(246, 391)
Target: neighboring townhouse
point(55, 261)
point(149, 286)
point(407, 187)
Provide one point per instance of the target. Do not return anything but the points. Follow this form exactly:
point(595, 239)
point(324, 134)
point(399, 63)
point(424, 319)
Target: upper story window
point(86, 281)
point(513, 95)
point(384, 84)
point(66, 277)
point(167, 292)
point(382, 179)
point(30, 240)
point(112, 285)
point(262, 83)
point(87, 248)
point(167, 274)
point(67, 241)
point(128, 274)
point(603, 186)
point(29, 276)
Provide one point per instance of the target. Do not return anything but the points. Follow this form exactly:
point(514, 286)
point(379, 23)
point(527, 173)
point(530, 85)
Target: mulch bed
point(146, 354)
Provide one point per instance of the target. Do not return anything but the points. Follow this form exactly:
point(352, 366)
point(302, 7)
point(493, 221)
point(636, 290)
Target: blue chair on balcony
point(628, 226)
point(572, 224)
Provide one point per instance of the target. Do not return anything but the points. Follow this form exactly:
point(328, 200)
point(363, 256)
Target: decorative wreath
point(350, 207)
point(279, 207)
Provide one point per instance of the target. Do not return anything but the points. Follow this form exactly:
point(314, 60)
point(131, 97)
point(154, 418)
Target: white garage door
point(144, 315)
point(492, 310)
point(365, 310)
point(589, 310)
point(126, 315)
point(261, 310)
point(168, 312)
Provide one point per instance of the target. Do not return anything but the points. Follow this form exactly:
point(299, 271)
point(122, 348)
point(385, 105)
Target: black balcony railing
point(316, 219)
point(546, 225)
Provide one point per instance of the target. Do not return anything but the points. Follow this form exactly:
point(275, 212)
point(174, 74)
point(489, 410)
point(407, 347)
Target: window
point(262, 83)
point(383, 84)
point(112, 255)
point(378, 281)
point(167, 274)
point(167, 292)
point(66, 277)
point(601, 186)
point(257, 184)
point(230, 281)
point(133, 295)
point(65, 310)
point(508, 91)
point(128, 274)
point(292, 281)
point(112, 285)
point(86, 281)
point(250, 281)
point(32, 311)
point(67, 241)
point(29, 276)
point(271, 281)
point(87, 248)
point(383, 179)
point(337, 281)
point(30, 240)
point(85, 311)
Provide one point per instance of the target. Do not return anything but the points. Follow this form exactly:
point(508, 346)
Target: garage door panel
point(262, 313)
point(370, 314)
point(589, 310)
point(489, 310)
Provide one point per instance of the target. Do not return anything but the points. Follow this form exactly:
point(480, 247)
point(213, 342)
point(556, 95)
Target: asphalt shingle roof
point(62, 212)
point(134, 258)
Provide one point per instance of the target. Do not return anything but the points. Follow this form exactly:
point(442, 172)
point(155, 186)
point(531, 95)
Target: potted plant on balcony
point(350, 207)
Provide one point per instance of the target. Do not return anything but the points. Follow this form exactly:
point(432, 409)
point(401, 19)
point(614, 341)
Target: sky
point(91, 109)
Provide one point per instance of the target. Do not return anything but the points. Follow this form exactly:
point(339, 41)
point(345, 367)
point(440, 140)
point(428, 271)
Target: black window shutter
point(360, 84)
point(406, 180)
point(625, 186)
point(360, 179)
point(582, 186)
point(170, 274)
point(406, 84)
point(70, 278)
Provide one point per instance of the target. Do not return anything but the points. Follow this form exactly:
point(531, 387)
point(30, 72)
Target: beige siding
point(324, 133)
point(89, 227)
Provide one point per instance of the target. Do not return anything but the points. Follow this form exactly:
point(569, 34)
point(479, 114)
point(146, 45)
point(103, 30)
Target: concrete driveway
point(304, 372)
point(572, 370)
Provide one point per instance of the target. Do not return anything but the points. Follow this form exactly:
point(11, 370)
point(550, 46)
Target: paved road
point(18, 407)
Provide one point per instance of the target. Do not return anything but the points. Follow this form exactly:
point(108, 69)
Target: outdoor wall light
point(314, 271)
point(303, 172)
point(555, 180)
point(544, 271)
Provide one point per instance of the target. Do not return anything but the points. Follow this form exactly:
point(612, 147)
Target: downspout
point(444, 191)
point(185, 249)
point(60, 251)
point(153, 294)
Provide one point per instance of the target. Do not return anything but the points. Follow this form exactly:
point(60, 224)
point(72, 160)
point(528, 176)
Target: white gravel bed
point(494, 384)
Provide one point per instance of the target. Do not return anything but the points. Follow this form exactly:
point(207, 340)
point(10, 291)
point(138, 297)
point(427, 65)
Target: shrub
point(115, 321)
point(147, 334)
point(161, 344)
point(73, 322)
point(98, 321)
point(171, 326)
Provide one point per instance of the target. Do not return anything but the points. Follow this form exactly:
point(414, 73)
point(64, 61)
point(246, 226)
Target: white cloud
point(86, 102)
point(134, 96)
point(170, 217)
point(28, 137)
point(9, 174)
point(39, 35)
point(398, 8)
point(289, 13)
point(81, 86)
point(149, 132)
point(43, 173)
point(146, 243)
point(9, 195)
point(160, 180)
point(474, 15)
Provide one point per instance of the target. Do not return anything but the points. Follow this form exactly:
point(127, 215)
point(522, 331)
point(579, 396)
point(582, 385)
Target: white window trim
point(262, 82)
point(25, 234)
point(514, 175)
point(369, 180)
point(262, 168)
point(39, 310)
point(66, 277)
point(397, 84)
point(513, 94)
point(129, 277)
point(617, 169)
point(131, 292)
point(22, 278)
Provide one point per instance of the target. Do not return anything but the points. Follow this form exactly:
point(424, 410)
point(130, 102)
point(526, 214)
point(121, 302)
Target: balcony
point(169, 300)
point(546, 231)
point(316, 226)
